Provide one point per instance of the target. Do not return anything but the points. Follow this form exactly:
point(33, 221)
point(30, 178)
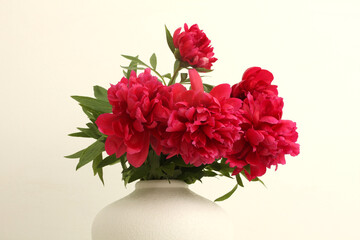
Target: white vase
point(162, 210)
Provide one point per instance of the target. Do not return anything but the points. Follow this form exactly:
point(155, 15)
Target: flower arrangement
point(156, 128)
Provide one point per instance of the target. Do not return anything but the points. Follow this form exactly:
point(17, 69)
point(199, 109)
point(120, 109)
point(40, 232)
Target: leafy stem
point(139, 62)
point(157, 73)
point(177, 68)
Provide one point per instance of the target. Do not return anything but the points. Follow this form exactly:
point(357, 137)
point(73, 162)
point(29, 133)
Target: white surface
point(159, 210)
point(50, 50)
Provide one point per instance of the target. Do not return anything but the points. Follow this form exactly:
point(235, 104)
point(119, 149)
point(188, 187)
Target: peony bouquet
point(174, 126)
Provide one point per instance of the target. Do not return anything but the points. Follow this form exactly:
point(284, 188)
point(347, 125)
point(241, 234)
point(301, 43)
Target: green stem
point(176, 73)
point(122, 161)
point(163, 80)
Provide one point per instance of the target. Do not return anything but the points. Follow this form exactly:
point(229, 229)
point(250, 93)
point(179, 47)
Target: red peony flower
point(266, 138)
point(161, 114)
point(254, 79)
point(138, 108)
point(194, 47)
point(202, 126)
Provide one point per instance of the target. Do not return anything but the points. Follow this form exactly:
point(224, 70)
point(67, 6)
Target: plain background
point(50, 50)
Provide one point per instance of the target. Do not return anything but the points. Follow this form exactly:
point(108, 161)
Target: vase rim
point(171, 183)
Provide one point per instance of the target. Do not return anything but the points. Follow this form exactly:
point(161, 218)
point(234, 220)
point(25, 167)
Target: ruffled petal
point(254, 137)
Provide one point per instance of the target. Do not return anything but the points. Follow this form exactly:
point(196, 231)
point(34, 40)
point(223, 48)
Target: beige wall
point(50, 50)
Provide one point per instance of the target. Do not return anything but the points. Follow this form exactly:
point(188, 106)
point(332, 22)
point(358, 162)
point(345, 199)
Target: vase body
point(162, 210)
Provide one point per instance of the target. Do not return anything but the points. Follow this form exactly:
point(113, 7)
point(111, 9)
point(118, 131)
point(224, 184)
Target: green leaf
point(226, 174)
point(203, 70)
point(138, 173)
point(135, 59)
point(239, 181)
point(79, 134)
point(96, 169)
point(178, 56)
point(183, 77)
point(215, 166)
point(153, 61)
point(168, 75)
point(93, 127)
point(101, 176)
point(222, 168)
point(226, 196)
point(247, 168)
point(76, 155)
point(154, 162)
point(126, 178)
point(169, 169)
point(192, 174)
point(133, 68)
point(100, 93)
point(259, 180)
point(169, 40)
point(96, 162)
point(109, 160)
point(209, 174)
point(126, 174)
point(176, 65)
point(92, 115)
point(123, 161)
point(89, 132)
point(94, 104)
point(91, 153)
point(207, 87)
point(180, 162)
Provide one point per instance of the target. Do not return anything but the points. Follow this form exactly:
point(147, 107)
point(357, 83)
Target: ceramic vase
point(162, 210)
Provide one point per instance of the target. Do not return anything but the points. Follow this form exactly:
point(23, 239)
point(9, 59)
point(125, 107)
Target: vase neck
point(160, 184)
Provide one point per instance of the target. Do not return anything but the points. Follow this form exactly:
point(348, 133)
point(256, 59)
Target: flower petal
point(177, 90)
point(195, 79)
point(221, 91)
point(254, 137)
point(116, 145)
point(104, 123)
point(137, 141)
point(269, 119)
point(137, 159)
point(250, 71)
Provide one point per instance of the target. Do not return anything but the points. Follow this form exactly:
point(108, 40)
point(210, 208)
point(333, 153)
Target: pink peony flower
point(266, 138)
point(202, 126)
point(138, 108)
point(194, 47)
point(255, 80)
